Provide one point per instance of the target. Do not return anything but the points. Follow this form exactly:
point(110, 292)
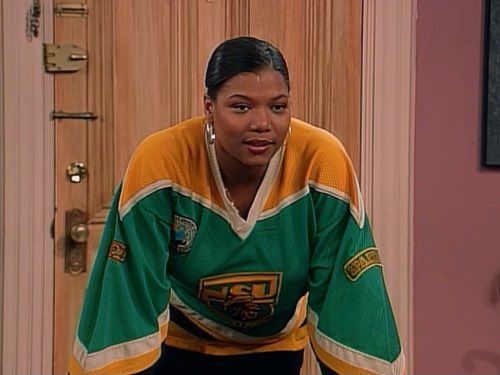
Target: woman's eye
point(241, 108)
point(279, 108)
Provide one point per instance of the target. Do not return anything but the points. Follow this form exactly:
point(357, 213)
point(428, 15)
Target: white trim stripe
point(243, 227)
point(163, 184)
point(129, 349)
point(352, 356)
point(285, 203)
point(358, 213)
point(144, 192)
point(230, 334)
point(201, 200)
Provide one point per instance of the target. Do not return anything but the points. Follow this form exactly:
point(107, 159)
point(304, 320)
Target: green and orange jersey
point(178, 265)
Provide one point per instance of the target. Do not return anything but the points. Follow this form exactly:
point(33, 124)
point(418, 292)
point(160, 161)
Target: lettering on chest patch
point(117, 251)
point(361, 263)
point(183, 233)
point(247, 299)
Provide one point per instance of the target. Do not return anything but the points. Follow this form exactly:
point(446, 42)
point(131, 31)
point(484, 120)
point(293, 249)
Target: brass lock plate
point(64, 58)
point(76, 242)
point(76, 172)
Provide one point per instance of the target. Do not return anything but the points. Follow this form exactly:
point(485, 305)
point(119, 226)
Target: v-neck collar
point(242, 227)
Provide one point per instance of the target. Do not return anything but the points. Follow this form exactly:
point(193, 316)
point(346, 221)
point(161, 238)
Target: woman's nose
point(261, 121)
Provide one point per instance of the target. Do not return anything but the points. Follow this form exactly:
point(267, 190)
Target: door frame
point(27, 172)
point(26, 193)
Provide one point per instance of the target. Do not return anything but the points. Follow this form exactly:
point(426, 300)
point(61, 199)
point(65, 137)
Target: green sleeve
point(125, 311)
point(351, 324)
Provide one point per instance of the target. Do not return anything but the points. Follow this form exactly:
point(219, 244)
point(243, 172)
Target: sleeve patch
point(362, 262)
point(117, 251)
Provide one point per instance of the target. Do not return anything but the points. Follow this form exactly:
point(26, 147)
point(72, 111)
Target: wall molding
point(387, 146)
point(27, 196)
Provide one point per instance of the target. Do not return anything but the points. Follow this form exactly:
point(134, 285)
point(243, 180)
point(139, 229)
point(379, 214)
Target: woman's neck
point(235, 174)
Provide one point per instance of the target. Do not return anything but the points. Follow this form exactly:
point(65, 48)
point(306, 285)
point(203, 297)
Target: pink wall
point(457, 203)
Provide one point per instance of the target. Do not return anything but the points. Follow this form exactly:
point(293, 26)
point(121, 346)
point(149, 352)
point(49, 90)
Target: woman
point(234, 239)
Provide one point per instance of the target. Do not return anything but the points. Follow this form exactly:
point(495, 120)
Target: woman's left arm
point(350, 320)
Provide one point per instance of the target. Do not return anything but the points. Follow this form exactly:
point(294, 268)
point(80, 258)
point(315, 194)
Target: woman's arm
point(125, 312)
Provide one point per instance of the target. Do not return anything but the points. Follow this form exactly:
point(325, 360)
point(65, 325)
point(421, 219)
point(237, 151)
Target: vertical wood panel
point(2, 188)
point(100, 98)
point(321, 41)
point(71, 146)
point(154, 70)
point(211, 23)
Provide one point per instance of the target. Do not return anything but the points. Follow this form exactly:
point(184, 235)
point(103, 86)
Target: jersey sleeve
point(350, 321)
point(125, 312)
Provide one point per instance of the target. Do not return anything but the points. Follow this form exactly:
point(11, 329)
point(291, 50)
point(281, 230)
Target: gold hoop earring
point(209, 132)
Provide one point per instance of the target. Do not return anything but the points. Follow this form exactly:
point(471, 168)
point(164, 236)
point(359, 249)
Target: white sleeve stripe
point(129, 349)
point(352, 356)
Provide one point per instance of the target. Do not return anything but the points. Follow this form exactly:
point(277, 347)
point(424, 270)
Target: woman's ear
point(208, 108)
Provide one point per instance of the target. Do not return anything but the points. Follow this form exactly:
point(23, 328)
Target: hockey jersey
point(177, 264)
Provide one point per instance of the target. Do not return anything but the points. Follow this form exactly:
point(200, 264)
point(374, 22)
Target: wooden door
point(146, 61)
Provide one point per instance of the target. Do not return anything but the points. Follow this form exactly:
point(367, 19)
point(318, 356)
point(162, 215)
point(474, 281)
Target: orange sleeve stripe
point(334, 363)
point(125, 366)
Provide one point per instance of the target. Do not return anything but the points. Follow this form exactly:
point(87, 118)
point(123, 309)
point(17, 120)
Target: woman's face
point(250, 116)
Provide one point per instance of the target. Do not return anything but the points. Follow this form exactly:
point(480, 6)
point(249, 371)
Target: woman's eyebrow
point(249, 98)
point(239, 96)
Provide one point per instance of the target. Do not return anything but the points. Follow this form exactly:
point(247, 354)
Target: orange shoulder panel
point(166, 157)
point(316, 158)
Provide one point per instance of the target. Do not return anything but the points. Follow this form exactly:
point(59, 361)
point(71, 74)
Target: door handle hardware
point(60, 115)
point(76, 172)
point(71, 10)
point(77, 234)
point(63, 58)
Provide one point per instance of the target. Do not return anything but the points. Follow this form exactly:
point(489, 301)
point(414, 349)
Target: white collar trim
point(240, 226)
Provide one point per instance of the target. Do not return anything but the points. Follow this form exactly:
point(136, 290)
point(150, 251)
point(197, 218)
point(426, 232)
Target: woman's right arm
point(125, 312)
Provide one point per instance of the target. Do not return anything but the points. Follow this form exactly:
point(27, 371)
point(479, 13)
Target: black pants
point(175, 361)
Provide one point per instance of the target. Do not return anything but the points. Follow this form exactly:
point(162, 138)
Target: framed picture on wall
point(491, 128)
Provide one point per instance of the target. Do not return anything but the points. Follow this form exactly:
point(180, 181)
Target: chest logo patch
point(246, 299)
point(183, 234)
point(361, 263)
point(117, 251)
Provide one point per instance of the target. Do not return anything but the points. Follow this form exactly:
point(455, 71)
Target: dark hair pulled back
point(239, 55)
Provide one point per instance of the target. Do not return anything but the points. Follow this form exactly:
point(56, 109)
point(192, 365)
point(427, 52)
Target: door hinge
point(71, 10)
point(63, 58)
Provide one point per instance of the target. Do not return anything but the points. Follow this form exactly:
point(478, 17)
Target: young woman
point(233, 240)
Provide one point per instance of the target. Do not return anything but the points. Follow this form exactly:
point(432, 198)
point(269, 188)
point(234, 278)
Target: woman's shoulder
point(174, 140)
point(164, 158)
point(323, 161)
point(313, 144)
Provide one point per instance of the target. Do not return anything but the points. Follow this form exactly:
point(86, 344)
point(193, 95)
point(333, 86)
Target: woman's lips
point(258, 147)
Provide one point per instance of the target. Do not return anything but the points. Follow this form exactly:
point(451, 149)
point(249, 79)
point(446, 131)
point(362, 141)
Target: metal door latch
point(60, 115)
point(77, 233)
point(71, 10)
point(63, 58)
